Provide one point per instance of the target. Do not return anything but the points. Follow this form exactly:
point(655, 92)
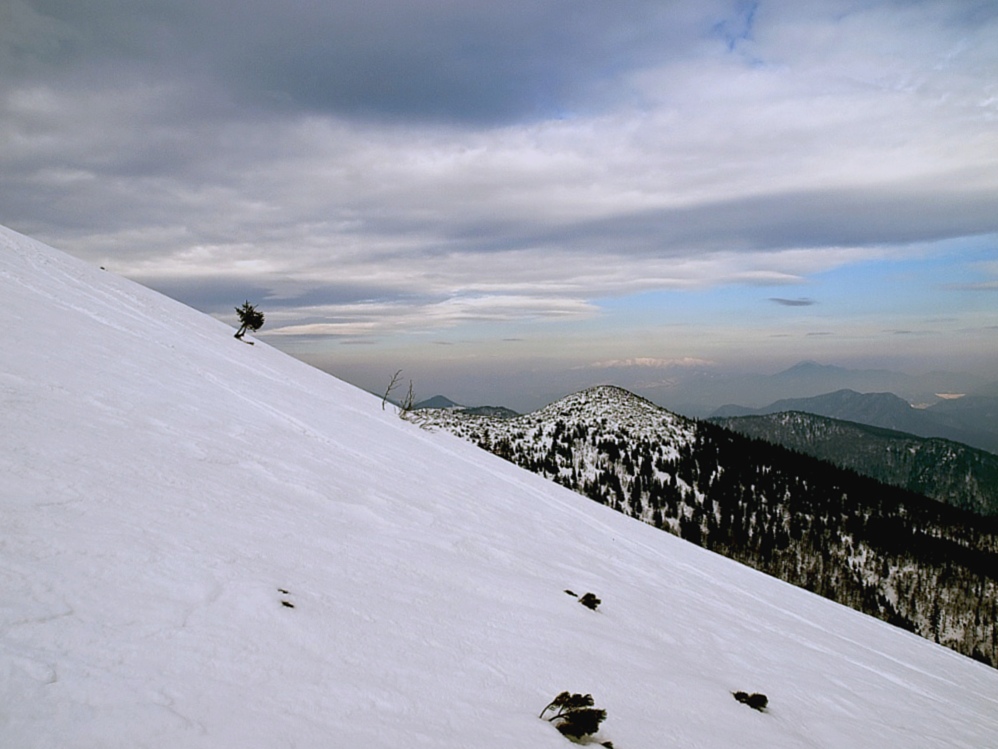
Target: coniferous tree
point(250, 318)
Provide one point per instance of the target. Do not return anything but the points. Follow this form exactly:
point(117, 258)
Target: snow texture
point(207, 544)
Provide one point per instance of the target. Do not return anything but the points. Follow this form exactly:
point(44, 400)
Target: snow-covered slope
point(209, 544)
point(892, 554)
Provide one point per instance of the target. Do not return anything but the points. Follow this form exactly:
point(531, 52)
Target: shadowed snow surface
point(209, 544)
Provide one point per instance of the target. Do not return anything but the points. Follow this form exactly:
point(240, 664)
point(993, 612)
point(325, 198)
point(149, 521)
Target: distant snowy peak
point(601, 399)
point(613, 407)
point(595, 416)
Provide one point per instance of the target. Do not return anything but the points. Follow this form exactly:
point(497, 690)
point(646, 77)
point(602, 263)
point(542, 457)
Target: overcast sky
point(507, 199)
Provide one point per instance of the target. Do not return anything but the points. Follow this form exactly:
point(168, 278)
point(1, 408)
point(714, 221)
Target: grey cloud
point(205, 86)
point(434, 60)
point(737, 28)
point(347, 159)
point(825, 218)
point(768, 222)
point(801, 302)
point(430, 60)
point(212, 295)
point(216, 294)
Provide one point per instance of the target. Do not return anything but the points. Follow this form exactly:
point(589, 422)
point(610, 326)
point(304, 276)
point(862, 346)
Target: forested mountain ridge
point(915, 562)
point(969, 420)
point(948, 471)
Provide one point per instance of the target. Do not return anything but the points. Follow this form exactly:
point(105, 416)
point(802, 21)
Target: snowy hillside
point(209, 544)
point(894, 554)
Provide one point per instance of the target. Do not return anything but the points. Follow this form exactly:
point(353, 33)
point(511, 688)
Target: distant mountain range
point(910, 560)
point(948, 471)
point(970, 419)
point(444, 403)
point(974, 417)
point(437, 401)
point(700, 392)
point(822, 378)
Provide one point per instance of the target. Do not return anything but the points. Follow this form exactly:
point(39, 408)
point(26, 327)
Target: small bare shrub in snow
point(590, 601)
point(755, 700)
point(574, 715)
point(405, 405)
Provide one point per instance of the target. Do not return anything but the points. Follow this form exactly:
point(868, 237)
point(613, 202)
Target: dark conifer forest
point(951, 472)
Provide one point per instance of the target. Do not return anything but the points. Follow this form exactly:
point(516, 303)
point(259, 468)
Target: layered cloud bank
point(379, 172)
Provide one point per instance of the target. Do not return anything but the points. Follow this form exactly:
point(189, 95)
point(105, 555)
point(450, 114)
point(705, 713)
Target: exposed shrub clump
point(755, 700)
point(590, 601)
point(574, 715)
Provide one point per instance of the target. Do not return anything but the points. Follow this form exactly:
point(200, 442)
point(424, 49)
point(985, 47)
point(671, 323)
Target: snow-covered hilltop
point(208, 544)
point(584, 420)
